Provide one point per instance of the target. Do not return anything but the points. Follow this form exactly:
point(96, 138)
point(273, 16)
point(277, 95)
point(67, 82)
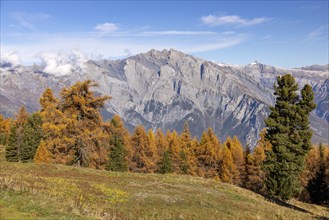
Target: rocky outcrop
point(162, 89)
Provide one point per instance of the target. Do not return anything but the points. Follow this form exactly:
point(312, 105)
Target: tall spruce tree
point(119, 146)
point(32, 136)
point(16, 143)
point(289, 134)
point(165, 163)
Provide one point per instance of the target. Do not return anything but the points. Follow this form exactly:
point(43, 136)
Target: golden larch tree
point(237, 156)
point(174, 151)
point(188, 159)
point(227, 168)
point(143, 158)
point(208, 154)
point(4, 130)
point(43, 155)
point(80, 104)
point(55, 125)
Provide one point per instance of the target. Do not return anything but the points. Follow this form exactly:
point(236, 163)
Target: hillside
point(163, 89)
point(32, 191)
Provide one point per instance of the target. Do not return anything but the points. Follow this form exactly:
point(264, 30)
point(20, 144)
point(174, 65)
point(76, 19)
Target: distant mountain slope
point(165, 88)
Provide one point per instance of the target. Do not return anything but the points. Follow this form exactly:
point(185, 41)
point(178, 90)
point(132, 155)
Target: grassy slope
point(32, 191)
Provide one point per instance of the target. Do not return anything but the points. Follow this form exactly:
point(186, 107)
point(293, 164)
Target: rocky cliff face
point(165, 88)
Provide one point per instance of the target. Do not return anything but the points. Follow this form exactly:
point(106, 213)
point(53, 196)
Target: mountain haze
point(163, 89)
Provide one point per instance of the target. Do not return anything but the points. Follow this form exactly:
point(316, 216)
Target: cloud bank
point(106, 27)
point(231, 20)
point(11, 58)
point(62, 63)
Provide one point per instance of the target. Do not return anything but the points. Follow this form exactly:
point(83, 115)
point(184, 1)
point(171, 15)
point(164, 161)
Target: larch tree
point(80, 104)
point(42, 154)
point(16, 141)
point(318, 185)
point(237, 154)
point(312, 166)
point(188, 160)
point(4, 130)
point(208, 154)
point(289, 134)
point(164, 164)
point(252, 176)
point(143, 158)
point(227, 168)
point(153, 146)
point(161, 142)
point(174, 149)
point(236, 157)
point(59, 146)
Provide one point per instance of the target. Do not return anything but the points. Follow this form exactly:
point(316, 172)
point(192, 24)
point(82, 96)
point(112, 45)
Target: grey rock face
point(162, 89)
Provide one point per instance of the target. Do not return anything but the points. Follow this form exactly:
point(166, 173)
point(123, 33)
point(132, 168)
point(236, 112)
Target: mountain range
point(163, 89)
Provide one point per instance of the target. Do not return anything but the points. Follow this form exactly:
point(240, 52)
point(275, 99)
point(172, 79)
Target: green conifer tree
point(16, 143)
point(32, 137)
point(165, 164)
point(118, 146)
point(117, 155)
point(289, 134)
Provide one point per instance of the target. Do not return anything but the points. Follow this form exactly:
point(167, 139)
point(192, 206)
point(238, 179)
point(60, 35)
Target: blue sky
point(280, 33)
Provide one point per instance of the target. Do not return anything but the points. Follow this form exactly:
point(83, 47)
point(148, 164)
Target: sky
point(279, 33)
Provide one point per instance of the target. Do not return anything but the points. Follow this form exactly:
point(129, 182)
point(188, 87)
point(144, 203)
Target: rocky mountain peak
point(163, 89)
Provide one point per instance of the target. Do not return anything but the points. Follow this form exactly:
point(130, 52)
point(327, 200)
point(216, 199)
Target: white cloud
point(217, 44)
point(106, 27)
point(231, 20)
point(317, 34)
point(29, 20)
point(11, 58)
point(62, 63)
point(111, 46)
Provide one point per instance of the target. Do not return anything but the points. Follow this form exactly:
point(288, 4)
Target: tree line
point(70, 130)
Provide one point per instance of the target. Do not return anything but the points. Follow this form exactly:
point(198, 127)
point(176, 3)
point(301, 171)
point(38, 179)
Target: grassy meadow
point(45, 191)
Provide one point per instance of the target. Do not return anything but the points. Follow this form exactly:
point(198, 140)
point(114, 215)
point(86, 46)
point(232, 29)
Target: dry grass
point(61, 192)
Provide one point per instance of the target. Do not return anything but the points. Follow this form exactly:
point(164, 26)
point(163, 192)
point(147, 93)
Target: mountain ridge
point(162, 89)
